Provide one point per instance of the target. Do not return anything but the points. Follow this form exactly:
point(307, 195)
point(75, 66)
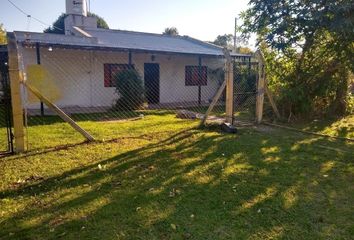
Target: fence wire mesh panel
point(116, 94)
point(245, 88)
point(5, 104)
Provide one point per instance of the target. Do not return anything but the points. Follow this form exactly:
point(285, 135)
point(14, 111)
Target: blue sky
point(202, 19)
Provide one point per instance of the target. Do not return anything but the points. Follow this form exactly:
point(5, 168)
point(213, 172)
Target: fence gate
point(6, 145)
point(245, 88)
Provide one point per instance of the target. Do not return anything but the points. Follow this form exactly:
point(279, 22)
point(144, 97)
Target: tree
point(309, 51)
point(224, 40)
point(227, 40)
point(172, 31)
point(58, 26)
point(2, 35)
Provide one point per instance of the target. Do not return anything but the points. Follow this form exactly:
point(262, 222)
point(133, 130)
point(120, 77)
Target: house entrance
point(152, 82)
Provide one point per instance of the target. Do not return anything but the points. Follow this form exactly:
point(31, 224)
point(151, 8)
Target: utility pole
point(235, 36)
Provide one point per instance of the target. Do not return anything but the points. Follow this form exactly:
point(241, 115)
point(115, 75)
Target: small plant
point(129, 87)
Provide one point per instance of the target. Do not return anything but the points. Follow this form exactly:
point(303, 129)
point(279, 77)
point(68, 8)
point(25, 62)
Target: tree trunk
point(340, 102)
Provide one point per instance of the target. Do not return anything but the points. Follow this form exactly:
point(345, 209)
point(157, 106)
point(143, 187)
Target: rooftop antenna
point(235, 36)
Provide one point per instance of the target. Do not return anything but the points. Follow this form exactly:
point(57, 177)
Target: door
point(152, 82)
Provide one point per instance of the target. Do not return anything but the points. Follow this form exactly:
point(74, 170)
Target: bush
point(350, 109)
point(129, 87)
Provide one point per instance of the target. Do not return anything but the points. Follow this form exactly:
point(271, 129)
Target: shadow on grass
point(338, 127)
point(194, 185)
point(96, 117)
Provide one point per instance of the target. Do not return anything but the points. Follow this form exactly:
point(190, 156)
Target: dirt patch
point(264, 129)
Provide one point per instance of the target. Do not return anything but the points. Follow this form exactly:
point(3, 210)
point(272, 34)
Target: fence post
point(229, 79)
point(16, 101)
point(260, 87)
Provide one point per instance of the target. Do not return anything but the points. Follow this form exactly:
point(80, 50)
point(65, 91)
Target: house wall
point(78, 75)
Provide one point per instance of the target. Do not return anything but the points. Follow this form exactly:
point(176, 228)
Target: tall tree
point(313, 41)
point(227, 40)
point(2, 34)
point(172, 31)
point(59, 28)
point(224, 40)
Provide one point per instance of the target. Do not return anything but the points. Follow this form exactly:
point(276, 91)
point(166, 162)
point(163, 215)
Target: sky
point(201, 19)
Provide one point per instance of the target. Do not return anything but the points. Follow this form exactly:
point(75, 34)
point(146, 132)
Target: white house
point(82, 61)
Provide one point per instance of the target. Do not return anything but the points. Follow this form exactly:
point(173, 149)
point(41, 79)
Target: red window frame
point(196, 75)
point(111, 69)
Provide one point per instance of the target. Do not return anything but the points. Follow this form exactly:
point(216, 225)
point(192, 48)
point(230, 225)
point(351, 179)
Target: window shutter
point(107, 75)
point(111, 69)
point(196, 76)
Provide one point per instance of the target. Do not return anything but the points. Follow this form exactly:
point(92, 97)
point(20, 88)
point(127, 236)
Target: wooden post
point(213, 103)
point(221, 89)
point(16, 101)
point(260, 87)
point(229, 79)
point(61, 114)
point(271, 100)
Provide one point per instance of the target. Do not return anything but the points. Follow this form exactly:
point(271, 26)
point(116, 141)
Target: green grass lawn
point(3, 133)
point(343, 127)
point(162, 178)
point(3, 139)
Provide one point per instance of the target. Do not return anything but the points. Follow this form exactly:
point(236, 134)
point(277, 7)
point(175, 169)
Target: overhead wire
point(30, 16)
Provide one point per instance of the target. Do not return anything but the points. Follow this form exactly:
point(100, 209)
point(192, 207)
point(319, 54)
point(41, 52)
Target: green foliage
point(129, 87)
point(350, 109)
point(172, 31)
point(309, 49)
point(58, 26)
point(101, 23)
point(224, 40)
point(2, 35)
point(227, 40)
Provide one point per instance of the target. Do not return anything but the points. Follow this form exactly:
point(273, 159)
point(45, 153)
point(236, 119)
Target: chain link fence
point(5, 104)
point(245, 88)
point(118, 94)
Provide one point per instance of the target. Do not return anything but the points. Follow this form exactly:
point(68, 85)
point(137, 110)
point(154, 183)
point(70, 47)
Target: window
point(111, 69)
point(196, 75)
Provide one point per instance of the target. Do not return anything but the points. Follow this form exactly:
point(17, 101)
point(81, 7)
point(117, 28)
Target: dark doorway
point(152, 82)
point(6, 145)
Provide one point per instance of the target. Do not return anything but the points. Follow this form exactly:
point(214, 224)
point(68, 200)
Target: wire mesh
point(245, 89)
point(3, 129)
point(5, 105)
point(116, 94)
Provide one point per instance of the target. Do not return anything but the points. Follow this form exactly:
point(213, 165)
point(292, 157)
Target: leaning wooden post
point(16, 101)
point(271, 100)
point(61, 114)
point(229, 79)
point(260, 87)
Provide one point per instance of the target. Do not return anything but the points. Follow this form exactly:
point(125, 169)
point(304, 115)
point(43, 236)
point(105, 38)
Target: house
point(81, 63)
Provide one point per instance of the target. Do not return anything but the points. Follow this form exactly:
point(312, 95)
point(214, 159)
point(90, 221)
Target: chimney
point(76, 11)
point(76, 7)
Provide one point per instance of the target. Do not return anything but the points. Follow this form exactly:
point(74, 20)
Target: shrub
point(129, 87)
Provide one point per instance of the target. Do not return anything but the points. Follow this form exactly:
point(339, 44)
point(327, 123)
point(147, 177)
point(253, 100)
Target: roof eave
point(105, 48)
